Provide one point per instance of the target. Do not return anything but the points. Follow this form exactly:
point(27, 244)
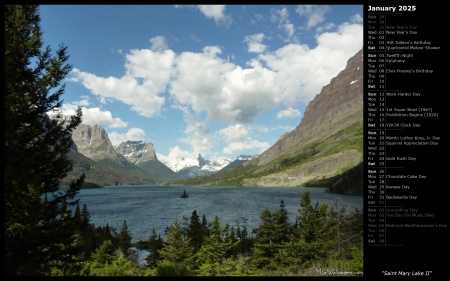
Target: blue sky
point(216, 80)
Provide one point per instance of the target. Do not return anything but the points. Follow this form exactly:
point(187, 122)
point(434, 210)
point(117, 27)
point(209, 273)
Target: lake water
point(145, 207)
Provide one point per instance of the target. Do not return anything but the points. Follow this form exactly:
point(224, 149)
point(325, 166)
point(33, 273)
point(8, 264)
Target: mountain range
point(132, 162)
point(325, 149)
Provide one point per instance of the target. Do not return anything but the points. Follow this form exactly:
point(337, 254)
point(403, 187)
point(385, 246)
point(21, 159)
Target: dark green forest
point(323, 240)
point(47, 233)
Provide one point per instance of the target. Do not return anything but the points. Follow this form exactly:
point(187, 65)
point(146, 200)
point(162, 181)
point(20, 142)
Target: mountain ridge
point(321, 150)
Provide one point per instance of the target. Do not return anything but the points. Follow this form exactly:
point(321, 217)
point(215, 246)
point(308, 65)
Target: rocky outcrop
point(137, 151)
point(338, 105)
point(93, 142)
point(327, 142)
point(143, 155)
point(320, 168)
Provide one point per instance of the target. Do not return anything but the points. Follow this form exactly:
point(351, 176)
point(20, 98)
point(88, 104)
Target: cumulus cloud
point(288, 113)
point(207, 87)
point(133, 134)
point(196, 130)
point(356, 18)
point(146, 77)
point(302, 71)
point(314, 13)
point(254, 43)
point(225, 91)
point(282, 17)
point(174, 153)
point(94, 115)
point(158, 44)
point(215, 12)
point(83, 102)
point(237, 139)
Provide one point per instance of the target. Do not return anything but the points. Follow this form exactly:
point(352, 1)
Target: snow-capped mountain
point(196, 166)
point(181, 163)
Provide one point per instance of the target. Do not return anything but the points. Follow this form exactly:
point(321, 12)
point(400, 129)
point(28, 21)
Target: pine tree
point(124, 238)
point(204, 226)
point(315, 229)
point(265, 245)
point(155, 243)
point(195, 231)
point(177, 252)
point(39, 234)
point(215, 248)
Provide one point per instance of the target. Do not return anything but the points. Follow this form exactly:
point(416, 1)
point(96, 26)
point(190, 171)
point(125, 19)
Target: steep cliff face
point(338, 105)
point(143, 155)
point(328, 140)
point(137, 151)
point(93, 142)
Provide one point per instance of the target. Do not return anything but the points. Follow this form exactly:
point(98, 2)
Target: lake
point(145, 207)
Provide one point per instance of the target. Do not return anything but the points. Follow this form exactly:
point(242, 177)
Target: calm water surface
point(145, 207)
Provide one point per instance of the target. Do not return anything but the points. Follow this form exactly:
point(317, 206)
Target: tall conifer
point(39, 234)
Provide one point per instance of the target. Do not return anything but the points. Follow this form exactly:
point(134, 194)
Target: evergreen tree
point(245, 241)
point(124, 238)
point(265, 245)
point(215, 249)
point(204, 226)
point(39, 234)
point(177, 253)
point(155, 243)
point(77, 214)
point(311, 240)
point(282, 221)
point(315, 229)
point(195, 231)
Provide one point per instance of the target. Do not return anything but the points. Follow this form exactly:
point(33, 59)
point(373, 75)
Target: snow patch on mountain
point(199, 162)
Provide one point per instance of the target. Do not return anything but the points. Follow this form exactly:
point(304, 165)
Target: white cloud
point(216, 12)
point(133, 134)
point(288, 113)
point(356, 19)
point(196, 132)
point(237, 139)
point(94, 115)
point(282, 17)
point(254, 43)
point(208, 88)
point(83, 102)
point(302, 71)
point(174, 153)
point(147, 74)
point(314, 13)
point(158, 44)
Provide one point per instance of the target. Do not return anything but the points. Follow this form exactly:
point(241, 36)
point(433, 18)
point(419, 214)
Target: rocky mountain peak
point(137, 151)
point(338, 105)
point(93, 142)
point(201, 160)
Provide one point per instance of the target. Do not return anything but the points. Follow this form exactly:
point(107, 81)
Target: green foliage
point(124, 238)
point(217, 245)
point(324, 241)
point(155, 243)
point(177, 251)
point(105, 264)
point(350, 138)
point(39, 234)
point(195, 231)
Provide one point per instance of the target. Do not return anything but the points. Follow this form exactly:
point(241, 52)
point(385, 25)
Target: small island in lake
point(184, 195)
